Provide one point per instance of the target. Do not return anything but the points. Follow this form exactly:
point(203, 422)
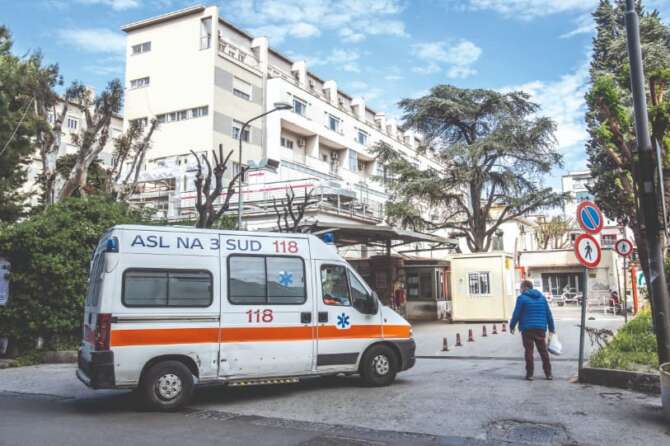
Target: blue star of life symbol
point(343, 320)
point(285, 278)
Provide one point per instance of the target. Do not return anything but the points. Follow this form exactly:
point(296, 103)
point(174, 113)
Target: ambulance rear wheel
point(379, 366)
point(167, 386)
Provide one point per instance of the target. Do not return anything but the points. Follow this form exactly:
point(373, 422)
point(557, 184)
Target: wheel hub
point(381, 365)
point(168, 386)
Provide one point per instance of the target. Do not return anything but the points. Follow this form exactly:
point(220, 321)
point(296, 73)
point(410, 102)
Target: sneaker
point(529, 378)
point(550, 378)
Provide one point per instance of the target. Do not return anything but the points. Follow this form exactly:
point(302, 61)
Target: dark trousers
point(538, 338)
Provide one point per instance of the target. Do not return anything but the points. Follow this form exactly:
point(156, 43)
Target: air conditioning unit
point(301, 142)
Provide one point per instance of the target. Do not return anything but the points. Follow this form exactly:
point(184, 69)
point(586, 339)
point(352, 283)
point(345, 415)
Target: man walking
point(533, 315)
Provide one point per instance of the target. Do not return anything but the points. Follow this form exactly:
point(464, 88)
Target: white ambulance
point(169, 308)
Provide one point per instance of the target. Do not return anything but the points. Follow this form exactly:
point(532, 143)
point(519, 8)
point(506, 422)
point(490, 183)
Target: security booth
point(384, 273)
point(428, 289)
point(483, 287)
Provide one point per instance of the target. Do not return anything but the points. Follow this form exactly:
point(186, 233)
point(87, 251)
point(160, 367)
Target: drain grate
point(528, 432)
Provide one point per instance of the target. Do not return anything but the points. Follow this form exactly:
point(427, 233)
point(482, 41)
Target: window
point(334, 123)
point(242, 89)
point(141, 48)
point(285, 142)
point(142, 122)
point(266, 280)
point(139, 83)
point(167, 288)
point(51, 117)
point(199, 111)
point(334, 287)
point(299, 106)
point(237, 128)
point(608, 240)
point(72, 123)
point(205, 33)
point(353, 161)
point(479, 283)
point(362, 137)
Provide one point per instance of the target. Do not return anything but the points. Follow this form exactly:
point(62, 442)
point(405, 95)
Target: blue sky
point(383, 50)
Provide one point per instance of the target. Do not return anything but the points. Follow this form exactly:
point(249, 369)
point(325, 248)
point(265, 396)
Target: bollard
point(445, 345)
point(504, 327)
point(495, 330)
point(458, 340)
point(471, 337)
point(483, 331)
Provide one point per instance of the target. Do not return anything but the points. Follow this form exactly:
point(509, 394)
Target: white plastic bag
point(555, 347)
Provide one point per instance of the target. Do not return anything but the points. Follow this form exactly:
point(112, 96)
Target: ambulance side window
point(334, 286)
point(276, 280)
point(166, 288)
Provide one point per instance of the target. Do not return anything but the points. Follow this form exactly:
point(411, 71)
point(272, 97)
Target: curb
point(60, 357)
point(7, 363)
point(621, 379)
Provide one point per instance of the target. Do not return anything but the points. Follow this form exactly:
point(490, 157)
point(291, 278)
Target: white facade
point(193, 59)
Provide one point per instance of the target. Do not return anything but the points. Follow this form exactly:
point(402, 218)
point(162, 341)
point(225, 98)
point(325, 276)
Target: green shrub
point(50, 255)
point(634, 345)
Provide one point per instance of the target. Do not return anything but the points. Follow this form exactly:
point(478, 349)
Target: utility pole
point(649, 188)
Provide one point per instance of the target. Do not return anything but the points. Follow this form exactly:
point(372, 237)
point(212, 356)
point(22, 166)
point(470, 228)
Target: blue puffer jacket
point(532, 311)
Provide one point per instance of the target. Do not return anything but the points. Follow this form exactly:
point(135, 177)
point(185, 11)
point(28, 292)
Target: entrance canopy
point(347, 234)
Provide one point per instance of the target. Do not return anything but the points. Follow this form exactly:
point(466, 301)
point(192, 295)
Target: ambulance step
point(262, 382)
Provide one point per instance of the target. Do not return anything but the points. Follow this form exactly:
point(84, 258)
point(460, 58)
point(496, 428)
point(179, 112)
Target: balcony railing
point(238, 54)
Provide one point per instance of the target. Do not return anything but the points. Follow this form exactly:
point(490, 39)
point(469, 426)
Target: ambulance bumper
point(407, 353)
point(98, 373)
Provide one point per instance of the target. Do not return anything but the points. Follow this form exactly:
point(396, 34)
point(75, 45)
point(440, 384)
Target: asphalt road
point(456, 398)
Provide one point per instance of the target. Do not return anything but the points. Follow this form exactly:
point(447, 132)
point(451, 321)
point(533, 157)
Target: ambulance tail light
point(103, 330)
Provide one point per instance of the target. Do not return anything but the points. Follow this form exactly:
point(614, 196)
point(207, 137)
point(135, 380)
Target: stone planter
point(665, 389)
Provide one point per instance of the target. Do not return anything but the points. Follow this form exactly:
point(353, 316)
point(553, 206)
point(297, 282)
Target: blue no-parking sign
point(589, 217)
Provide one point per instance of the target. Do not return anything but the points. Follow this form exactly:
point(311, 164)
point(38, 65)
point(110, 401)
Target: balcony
point(237, 54)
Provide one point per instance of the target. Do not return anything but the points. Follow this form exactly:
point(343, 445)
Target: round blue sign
point(589, 217)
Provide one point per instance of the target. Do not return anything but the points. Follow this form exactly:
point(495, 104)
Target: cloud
point(340, 59)
point(584, 25)
point(530, 9)
point(458, 56)
point(353, 20)
point(94, 40)
point(393, 77)
point(117, 5)
point(563, 101)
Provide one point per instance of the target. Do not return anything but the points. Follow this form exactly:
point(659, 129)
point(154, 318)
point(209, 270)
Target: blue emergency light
point(328, 237)
point(112, 245)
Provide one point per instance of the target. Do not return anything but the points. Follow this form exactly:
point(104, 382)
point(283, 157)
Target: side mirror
point(367, 306)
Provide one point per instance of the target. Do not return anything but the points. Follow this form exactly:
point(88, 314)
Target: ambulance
point(170, 308)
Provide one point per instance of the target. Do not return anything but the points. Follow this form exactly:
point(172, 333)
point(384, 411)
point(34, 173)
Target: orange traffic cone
point(458, 340)
point(445, 345)
point(471, 337)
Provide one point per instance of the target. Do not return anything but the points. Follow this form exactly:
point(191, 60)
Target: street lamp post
point(240, 199)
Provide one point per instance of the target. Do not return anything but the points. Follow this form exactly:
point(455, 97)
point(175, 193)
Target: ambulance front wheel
point(167, 386)
point(379, 366)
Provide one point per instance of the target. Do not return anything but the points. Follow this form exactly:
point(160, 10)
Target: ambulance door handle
point(323, 316)
point(305, 317)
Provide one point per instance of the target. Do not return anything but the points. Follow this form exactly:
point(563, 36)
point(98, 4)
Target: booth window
point(167, 288)
point(479, 283)
point(266, 280)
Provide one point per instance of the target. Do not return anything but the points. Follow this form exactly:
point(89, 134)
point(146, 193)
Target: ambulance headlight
point(112, 245)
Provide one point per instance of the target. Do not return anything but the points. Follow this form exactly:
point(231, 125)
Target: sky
point(383, 50)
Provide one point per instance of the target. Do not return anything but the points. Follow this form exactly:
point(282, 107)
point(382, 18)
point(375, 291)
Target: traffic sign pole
point(582, 328)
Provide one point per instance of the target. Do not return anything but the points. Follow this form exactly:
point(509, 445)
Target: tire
point(379, 366)
point(167, 386)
